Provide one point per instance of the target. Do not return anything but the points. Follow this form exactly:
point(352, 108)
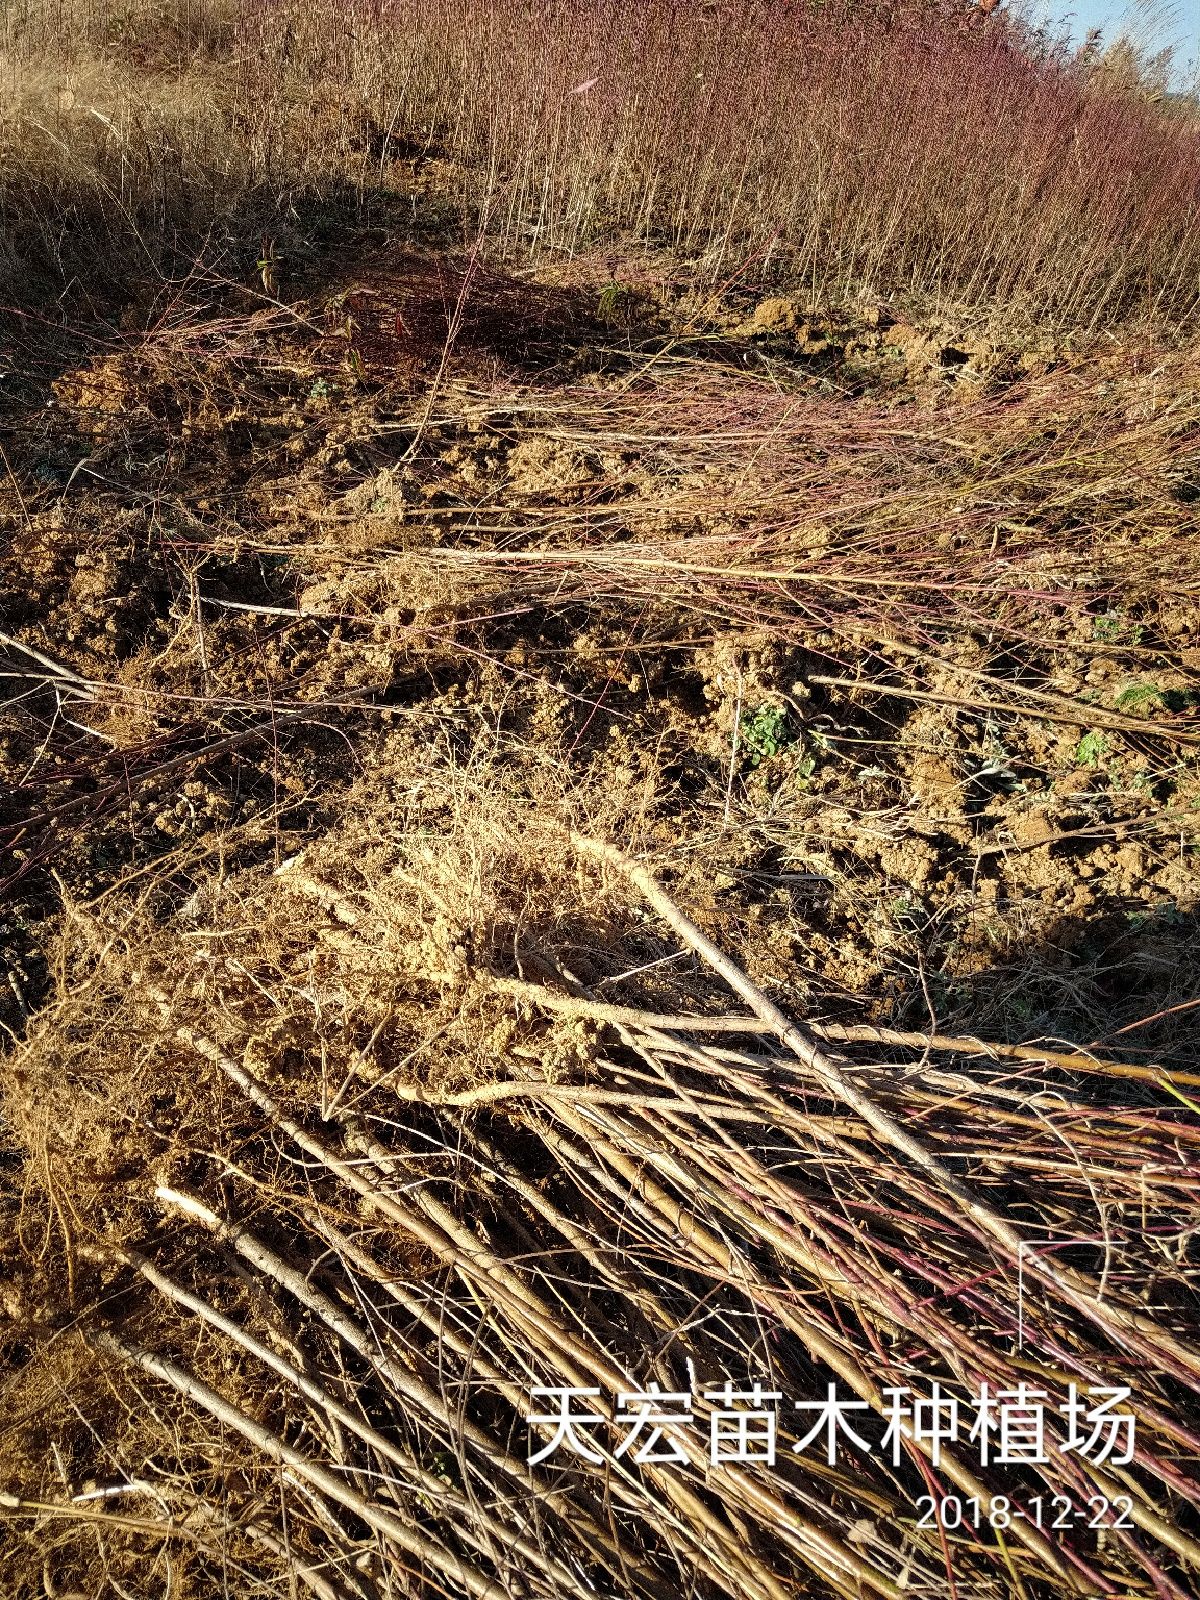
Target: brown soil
point(279, 555)
point(174, 506)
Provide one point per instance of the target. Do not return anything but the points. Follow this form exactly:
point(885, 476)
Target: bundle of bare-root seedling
point(732, 499)
point(444, 1213)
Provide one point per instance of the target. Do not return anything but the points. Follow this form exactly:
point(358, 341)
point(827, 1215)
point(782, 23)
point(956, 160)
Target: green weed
point(764, 733)
point(613, 300)
point(1137, 694)
point(1115, 628)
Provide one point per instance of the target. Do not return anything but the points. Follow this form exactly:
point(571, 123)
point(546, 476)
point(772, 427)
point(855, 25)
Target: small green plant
point(805, 768)
point(1137, 694)
point(1164, 915)
point(907, 913)
point(1090, 750)
point(613, 298)
point(1113, 627)
point(319, 390)
point(764, 733)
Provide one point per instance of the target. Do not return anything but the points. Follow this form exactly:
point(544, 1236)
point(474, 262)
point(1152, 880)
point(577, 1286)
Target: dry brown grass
point(941, 153)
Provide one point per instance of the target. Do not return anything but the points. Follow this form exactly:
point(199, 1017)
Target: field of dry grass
point(599, 790)
point(844, 146)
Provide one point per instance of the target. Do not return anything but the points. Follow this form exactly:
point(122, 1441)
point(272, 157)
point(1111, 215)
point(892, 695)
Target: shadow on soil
point(395, 276)
point(1123, 980)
